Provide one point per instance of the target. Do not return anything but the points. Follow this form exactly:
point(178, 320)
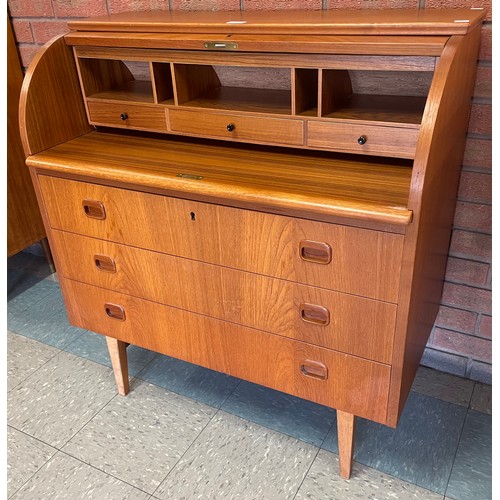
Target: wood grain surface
point(353, 384)
point(51, 109)
point(24, 223)
point(357, 325)
point(327, 44)
point(312, 185)
point(364, 262)
point(369, 21)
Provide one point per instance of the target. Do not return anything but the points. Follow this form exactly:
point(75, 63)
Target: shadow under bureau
point(268, 195)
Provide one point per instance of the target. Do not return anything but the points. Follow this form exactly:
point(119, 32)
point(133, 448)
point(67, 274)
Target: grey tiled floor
point(185, 432)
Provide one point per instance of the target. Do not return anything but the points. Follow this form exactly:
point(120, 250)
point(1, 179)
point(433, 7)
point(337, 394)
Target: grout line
point(187, 449)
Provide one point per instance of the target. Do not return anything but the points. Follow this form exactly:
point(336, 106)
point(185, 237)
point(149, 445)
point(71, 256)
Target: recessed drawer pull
point(312, 313)
point(94, 209)
point(115, 311)
point(315, 251)
point(105, 263)
point(314, 369)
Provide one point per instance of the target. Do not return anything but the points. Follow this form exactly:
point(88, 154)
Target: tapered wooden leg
point(346, 425)
point(118, 355)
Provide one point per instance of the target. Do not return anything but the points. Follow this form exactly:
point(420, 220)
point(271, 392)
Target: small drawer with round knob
point(125, 115)
point(237, 127)
point(347, 136)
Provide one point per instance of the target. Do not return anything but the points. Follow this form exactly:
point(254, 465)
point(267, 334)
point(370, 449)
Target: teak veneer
point(268, 195)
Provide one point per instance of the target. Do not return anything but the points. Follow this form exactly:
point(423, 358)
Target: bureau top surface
point(354, 22)
point(309, 184)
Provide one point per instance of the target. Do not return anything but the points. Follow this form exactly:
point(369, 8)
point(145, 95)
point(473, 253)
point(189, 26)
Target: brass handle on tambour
point(318, 252)
point(94, 209)
point(361, 140)
point(114, 311)
point(105, 263)
point(314, 369)
point(312, 313)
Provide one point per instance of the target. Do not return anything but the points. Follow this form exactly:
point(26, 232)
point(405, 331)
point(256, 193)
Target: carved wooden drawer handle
point(94, 209)
point(105, 263)
point(312, 313)
point(314, 369)
point(115, 311)
point(315, 251)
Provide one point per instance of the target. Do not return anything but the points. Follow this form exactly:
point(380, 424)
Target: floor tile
point(24, 357)
point(60, 398)
point(420, 450)
point(65, 478)
point(46, 321)
point(481, 398)
point(443, 386)
point(234, 458)
point(93, 346)
point(25, 456)
point(296, 417)
point(195, 382)
point(18, 281)
point(323, 481)
point(471, 474)
point(139, 438)
point(29, 263)
point(21, 287)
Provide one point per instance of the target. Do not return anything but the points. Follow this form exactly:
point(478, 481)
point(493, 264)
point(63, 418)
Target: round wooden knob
point(361, 140)
point(123, 116)
point(230, 127)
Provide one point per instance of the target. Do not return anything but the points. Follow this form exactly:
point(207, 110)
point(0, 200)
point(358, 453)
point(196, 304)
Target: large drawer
point(126, 115)
point(353, 260)
point(347, 323)
point(356, 138)
point(234, 126)
point(345, 382)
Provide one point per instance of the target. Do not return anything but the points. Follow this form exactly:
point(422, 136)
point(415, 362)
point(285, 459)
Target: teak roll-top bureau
point(265, 194)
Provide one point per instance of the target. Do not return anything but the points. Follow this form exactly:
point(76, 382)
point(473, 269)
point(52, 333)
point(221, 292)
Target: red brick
point(466, 297)
point(480, 119)
point(478, 154)
point(43, 31)
point(214, 5)
point(466, 345)
point(456, 319)
point(372, 4)
point(283, 4)
point(79, 8)
point(136, 5)
point(475, 187)
point(467, 272)
point(22, 31)
point(485, 327)
point(471, 245)
point(483, 82)
point(485, 49)
point(460, 4)
point(30, 8)
point(473, 216)
point(27, 53)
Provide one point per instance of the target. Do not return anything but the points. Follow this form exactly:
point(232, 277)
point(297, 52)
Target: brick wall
point(460, 342)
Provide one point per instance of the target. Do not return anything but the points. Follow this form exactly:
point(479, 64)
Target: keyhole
point(193, 216)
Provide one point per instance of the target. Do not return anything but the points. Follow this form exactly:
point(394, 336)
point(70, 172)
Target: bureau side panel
point(432, 198)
